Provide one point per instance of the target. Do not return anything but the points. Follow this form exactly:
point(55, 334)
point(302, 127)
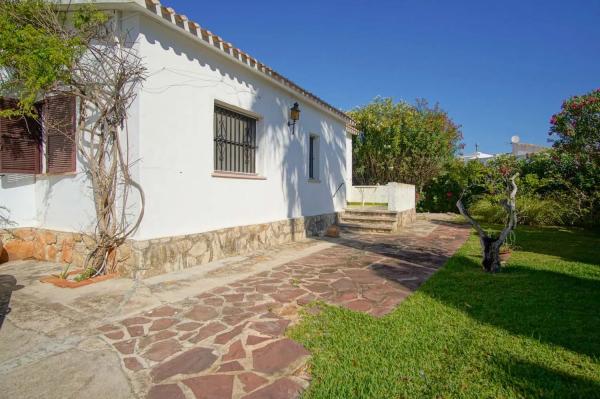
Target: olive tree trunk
point(490, 245)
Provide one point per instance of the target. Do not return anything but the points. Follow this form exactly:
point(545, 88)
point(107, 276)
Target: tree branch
point(465, 213)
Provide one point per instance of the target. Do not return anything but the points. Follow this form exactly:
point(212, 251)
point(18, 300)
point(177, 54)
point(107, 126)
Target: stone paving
point(229, 342)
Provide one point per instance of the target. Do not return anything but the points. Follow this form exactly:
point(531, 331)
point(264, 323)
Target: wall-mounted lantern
point(294, 117)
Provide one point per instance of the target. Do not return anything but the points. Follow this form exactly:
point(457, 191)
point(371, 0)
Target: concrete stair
point(378, 221)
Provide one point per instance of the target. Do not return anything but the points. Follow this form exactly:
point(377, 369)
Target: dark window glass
point(311, 157)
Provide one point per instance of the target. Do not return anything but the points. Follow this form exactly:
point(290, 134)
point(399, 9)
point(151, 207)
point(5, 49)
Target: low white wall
point(372, 194)
point(401, 197)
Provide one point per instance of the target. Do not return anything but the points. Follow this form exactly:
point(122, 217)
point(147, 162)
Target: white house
point(222, 171)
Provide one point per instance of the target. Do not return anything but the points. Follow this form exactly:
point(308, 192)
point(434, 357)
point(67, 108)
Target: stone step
point(367, 219)
point(370, 213)
point(366, 228)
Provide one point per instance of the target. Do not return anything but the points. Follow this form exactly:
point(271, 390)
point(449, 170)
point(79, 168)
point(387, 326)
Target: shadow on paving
point(8, 284)
point(408, 259)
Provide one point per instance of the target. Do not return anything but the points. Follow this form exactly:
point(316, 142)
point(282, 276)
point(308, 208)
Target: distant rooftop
point(477, 155)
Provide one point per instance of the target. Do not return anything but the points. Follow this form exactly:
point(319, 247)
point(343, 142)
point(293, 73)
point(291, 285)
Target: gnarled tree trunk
point(490, 246)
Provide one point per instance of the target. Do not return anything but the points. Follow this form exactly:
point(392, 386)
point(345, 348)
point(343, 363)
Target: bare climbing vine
point(106, 81)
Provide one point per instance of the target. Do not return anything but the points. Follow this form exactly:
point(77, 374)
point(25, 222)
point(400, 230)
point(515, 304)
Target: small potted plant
point(76, 278)
point(505, 252)
point(507, 248)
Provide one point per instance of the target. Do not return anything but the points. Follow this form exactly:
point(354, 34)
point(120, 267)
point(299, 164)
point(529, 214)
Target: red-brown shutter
point(59, 129)
point(20, 142)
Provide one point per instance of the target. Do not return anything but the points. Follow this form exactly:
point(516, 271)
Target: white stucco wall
point(176, 143)
point(58, 202)
point(348, 185)
point(17, 197)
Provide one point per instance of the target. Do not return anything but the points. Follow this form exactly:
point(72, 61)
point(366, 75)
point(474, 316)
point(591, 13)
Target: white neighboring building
point(479, 156)
point(211, 190)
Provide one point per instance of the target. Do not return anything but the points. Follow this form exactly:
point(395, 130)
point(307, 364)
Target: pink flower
point(449, 194)
point(504, 171)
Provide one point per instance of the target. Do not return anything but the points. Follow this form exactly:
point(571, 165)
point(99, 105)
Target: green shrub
point(555, 188)
point(488, 210)
point(441, 194)
point(541, 212)
point(532, 211)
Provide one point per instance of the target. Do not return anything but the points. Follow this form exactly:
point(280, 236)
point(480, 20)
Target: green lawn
point(531, 331)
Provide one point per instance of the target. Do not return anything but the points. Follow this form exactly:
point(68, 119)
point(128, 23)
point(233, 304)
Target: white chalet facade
point(222, 171)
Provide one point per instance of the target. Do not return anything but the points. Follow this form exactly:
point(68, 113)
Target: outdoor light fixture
point(294, 117)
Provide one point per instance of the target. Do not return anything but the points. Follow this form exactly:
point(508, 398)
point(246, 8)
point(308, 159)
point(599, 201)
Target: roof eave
point(180, 23)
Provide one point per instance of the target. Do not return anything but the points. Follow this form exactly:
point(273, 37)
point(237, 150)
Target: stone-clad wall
point(404, 218)
point(161, 255)
point(52, 246)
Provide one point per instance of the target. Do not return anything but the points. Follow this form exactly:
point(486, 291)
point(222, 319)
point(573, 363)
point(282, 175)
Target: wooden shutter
point(20, 142)
point(59, 130)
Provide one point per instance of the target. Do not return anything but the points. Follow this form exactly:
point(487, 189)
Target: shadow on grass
point(554, 307)
point(570, 244)
point(537, 381)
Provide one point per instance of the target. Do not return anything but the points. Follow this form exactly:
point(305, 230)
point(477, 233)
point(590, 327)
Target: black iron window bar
point(235, 142)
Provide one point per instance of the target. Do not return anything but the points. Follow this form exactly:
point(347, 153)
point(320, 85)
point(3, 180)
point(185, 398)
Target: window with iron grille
point(235, 141)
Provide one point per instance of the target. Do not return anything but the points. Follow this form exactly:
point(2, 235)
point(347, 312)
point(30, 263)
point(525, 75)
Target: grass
point(532, 330)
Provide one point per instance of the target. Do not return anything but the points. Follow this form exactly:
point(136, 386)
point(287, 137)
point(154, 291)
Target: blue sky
point(499, 68)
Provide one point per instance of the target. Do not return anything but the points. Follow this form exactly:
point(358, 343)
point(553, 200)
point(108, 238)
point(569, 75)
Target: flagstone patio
point(229, 341)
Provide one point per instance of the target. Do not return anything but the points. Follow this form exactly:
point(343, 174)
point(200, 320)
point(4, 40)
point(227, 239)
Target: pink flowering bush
point(576, 128)
point(560, 186)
